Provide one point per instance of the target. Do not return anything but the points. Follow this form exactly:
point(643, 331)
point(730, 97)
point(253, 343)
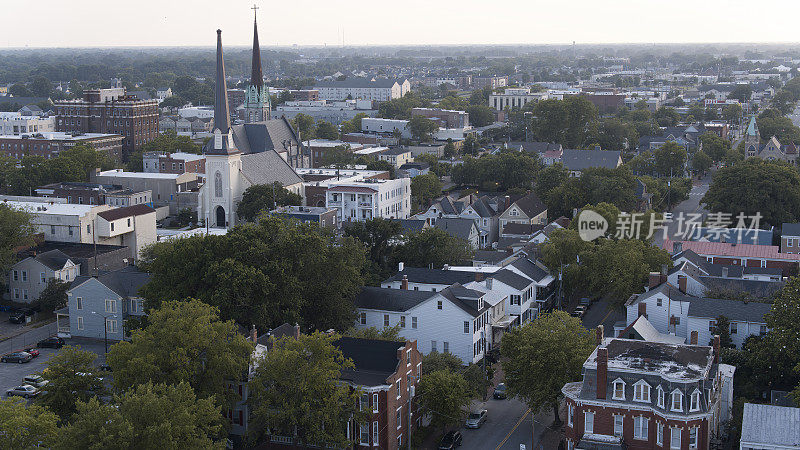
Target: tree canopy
point(16, 229)
point(544, 355)
point(184, 341)
point(425, 188)
point(266, 273)
point(434, 247)
point(296, 386)
point(27, 427)
point(265, 197)
point(445, 395)
point(756, 186)
point(498, 172)
point(71, 379)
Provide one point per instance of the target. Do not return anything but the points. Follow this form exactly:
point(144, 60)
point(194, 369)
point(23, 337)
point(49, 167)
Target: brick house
point(648, 395)
point(790, 238)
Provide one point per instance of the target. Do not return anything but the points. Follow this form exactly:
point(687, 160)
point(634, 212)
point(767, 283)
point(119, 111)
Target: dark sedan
point(500, 392)
point(16, 357)
point(51, 342)
point(450, 441)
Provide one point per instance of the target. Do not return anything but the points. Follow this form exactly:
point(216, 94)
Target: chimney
point(254, 334)
point(677, 247)
point(664, 270)
point(296, 331)
point(716, 348)
point(478, 276)
point(508, 202)
point(682, 283)
point(400, 266)
point(642, 309)
point(654, 280)
point(489, 283)
point(599, 332)
point(724, 272)
point(693, 338)
point(602, 371)
point(404, 283)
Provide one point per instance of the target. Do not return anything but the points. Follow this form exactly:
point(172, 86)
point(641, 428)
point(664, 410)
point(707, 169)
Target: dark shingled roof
point(54, 259)
point(410, 225)
point(433, 276)
point(531, 269)
point(374, 360)
point(390, 299)
point(756, 288)
point(510, 278)
point(711, 308)
point(790, 229)
point(489, 256)
point(128, 211)
point(458, 227)
point(584, 159)
point(125, 282)
point(521, 229)
point(531, 205)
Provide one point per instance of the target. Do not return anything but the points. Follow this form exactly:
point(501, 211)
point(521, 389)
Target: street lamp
point(105, 327)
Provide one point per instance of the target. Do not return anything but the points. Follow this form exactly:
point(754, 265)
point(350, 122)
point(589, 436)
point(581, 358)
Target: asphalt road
point(599, 313)
point(28, 339)
point(689, 206)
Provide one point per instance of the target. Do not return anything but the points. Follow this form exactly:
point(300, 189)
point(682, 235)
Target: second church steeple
point(257, 101)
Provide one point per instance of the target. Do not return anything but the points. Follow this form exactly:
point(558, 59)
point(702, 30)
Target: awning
point(505, 321)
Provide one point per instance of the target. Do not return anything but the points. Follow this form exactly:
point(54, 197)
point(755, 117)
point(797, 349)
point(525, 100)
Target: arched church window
point(218, 184)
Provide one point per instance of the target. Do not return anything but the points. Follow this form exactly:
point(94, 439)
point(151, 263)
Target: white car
point(35, 381)
point(26, 391)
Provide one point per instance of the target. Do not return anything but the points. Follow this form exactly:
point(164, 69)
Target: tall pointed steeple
point(222, 117)
point(256, 100)
point(256, 78)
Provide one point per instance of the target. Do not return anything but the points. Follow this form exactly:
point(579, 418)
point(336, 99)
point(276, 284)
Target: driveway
point(599, 313)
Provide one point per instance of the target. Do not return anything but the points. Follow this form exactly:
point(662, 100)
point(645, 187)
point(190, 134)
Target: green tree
point(383, 334)
point(563, 121)
point(16, 230)
point(379, 236)
point(54, 296)
point(168, 142)
point(741, 92)
point(422, 128)
point(550, 178)
point(400, 108)
point(305, 125)
point(480, 115)
point(756, 186)
point(353, 125)
point(435, 361)
point(666, 117)
point(425, 188)
point(772, 122)
point(326, 130)
point(176, 101)
point(433, 247)
point(714, 146)
point(27, 427)
point(70, 377)
point(264, 197)
point(148, 416)
point(444, 395)
point(41, 87)
point(732, 113)
point(184, 341)
point(340, 157)
point(296, 386)
point(722, 327)
point(544, 355)
point(701, 162)
point(669, 160)
point(265, 273)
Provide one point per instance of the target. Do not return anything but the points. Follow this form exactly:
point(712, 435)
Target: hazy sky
point(96, 23)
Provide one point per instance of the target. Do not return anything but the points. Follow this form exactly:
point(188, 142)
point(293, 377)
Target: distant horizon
point(361, 23)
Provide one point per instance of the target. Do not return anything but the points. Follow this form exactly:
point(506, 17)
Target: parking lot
point(11, 374)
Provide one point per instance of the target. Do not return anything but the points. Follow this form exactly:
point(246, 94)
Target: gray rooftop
point(770, 425)
point(584, 159)
point(432, 276)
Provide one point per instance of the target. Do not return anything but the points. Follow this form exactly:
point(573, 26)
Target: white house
point(30, 276)
point(453, 320)
point(379, 90)
point(369, 198)
point(378, 125)
point(528, 209)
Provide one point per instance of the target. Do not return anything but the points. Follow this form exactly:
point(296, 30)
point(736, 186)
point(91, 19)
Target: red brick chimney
point(653, 280)
point(716, 348)
point(602, 371)
point(693, 338)
point(478, 276)
point(508, 202)
point(404, 283)
point(642, 309)
point(598, 334)
point(254, 334)
point(682, 283)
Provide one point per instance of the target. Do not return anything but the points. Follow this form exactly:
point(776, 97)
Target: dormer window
point(619, 389)
point(676, 401)
point(641, 391)
point(694, 403)
point(660, 394)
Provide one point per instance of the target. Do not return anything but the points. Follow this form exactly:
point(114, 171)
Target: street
point(689, 206)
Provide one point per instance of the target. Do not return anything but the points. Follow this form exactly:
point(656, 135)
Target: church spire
point(257, 77)
point(222, 118)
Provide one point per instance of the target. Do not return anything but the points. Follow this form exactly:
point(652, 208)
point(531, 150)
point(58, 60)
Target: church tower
point(752, 139)
point(223, 159)
point(256, 101)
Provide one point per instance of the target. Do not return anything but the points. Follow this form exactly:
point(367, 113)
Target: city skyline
point(361, 23)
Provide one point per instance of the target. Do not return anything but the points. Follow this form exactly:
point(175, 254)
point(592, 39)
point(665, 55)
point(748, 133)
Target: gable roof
point(790, 229)
point(432, 276)
point(521, 229)
point(531, 269)
point(127, 211)
point(512, 279)
point(53, 259)
point(374, 360)
point(531, 205)
point(410, 225)
point(458, 227)
point(583, 159)
point(711, 308)
point(268, 167)
point(731, 249)
point(125, 282)
point(386, 299)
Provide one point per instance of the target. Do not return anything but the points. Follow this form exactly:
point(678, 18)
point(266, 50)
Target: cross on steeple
point(255, 9)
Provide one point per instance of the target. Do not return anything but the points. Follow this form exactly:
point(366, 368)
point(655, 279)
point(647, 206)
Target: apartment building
point(357, 201)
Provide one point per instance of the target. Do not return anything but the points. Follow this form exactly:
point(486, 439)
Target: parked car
point(16, 357)
point(579, 311)
point(105, 367)
point(476, 419)
point(585, 301)
point(32, 351)
point(25, 390)
point(493, 355)
point(500, 392)
point(17, 317)
point(51, 342)
point(450, 440)
point(35, 380)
